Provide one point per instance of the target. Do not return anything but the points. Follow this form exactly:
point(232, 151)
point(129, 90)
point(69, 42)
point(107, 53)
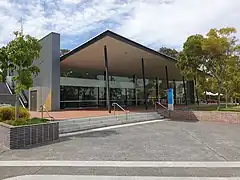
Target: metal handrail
point(164, 107)
point(44, 108)
point(158, 103)
point(114, 110)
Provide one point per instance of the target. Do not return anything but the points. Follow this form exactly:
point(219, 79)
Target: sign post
point(170, 99)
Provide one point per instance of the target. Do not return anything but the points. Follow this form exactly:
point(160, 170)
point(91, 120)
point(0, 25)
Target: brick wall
point(16, 137)
point(215, 116)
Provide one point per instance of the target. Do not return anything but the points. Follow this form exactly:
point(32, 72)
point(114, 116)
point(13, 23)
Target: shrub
point(8, 113)
point(23, 113)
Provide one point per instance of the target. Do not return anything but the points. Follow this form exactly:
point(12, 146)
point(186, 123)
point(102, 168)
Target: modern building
point(108, 68)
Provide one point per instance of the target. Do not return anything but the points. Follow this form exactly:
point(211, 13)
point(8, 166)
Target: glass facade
point(126, 91)
point(76, 97)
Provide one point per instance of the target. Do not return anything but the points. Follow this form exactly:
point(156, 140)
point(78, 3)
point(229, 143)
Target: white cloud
point(170, 24)
point(159, 22)
point(72, 1)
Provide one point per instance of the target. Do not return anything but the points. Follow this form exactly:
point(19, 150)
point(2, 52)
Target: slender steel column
point(174, 91)
point(196, 91)
point(107, 79)
point(98, 97)
point(166, 71)
point(184, 89)
point(134, 90)
point(144, 85)
point(105, 91)
point(157, 88)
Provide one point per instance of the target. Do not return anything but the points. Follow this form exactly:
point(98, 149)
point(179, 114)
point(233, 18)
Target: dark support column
point(196, 91)
point(134, 90)
point(185, 92)
point(126, 97)
point(107, 80)
point(157, 89)
point(174, 92)
point(190, 91)
point(105, 91)
point(166, 71)
point(144, 85)
point(98, 96)
point(79, 103)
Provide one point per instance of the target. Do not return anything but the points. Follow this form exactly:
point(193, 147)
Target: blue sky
point(153, 23)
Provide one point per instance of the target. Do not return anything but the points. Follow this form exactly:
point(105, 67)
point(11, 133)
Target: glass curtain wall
point(120, 91)
point(79, 96)
point(74, 97)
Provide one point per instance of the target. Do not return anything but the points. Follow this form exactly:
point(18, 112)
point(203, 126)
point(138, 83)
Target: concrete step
point(80, 124)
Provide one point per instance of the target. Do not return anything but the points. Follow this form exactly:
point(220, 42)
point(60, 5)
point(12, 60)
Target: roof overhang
point(124, 58)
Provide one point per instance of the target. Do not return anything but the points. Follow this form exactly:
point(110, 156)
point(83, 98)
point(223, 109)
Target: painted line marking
point(153, 164)
point(76, 177)
point(111, 127)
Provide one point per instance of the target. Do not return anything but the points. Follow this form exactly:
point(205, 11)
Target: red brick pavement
point(81, 113)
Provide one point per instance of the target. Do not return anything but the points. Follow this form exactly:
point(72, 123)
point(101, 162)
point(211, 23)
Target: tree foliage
point(4, 62)
point(170, 52)
point(64, 51)
point(22, 51)
point(214, 60)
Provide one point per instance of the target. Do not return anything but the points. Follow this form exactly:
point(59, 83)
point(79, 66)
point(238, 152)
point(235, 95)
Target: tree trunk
point(219, 92)
point(232, 101)
point(196, 91)
point(206, 97)
point(17, 107)
point(226, 98)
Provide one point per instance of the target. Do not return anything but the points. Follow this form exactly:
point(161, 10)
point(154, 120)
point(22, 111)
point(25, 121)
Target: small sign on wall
point(170, 99)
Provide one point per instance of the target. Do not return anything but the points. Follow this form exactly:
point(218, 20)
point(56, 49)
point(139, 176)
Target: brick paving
point(81, 113)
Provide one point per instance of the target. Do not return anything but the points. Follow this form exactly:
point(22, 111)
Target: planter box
point(16, 137)
point(214, 116)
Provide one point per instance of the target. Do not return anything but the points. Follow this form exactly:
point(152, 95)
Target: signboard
point(170, 99)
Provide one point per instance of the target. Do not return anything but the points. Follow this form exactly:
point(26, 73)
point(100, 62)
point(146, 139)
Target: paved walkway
point(77, 177)
point(167, 140)
point(162, 141)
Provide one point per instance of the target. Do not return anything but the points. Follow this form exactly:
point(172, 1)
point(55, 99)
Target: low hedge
point(21, 122)
point(8, 113)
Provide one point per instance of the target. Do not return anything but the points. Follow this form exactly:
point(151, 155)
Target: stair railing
point(11, 92)
point(164, 107)
point(42, 108)
point(114, 109)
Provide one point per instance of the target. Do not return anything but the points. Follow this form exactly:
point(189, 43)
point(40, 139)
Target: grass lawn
point(21, 122)
point(213, 107)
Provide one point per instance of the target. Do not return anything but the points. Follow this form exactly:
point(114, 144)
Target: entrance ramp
point(80, 124)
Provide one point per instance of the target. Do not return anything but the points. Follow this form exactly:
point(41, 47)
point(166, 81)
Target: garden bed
point(17, 137)
point(25, 131)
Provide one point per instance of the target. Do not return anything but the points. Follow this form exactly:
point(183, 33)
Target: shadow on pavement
point(96, 134)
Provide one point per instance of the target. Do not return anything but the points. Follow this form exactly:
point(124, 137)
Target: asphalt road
point(162, 141)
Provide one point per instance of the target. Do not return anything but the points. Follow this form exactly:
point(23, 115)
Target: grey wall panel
point(47, 83)
point(55, 72)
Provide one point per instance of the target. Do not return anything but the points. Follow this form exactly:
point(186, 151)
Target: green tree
point(220, 47)
point(191, 59)
point(22, 51)
point(4, 63)
point(170, 52)
point(216, 56)
point(64, 51)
